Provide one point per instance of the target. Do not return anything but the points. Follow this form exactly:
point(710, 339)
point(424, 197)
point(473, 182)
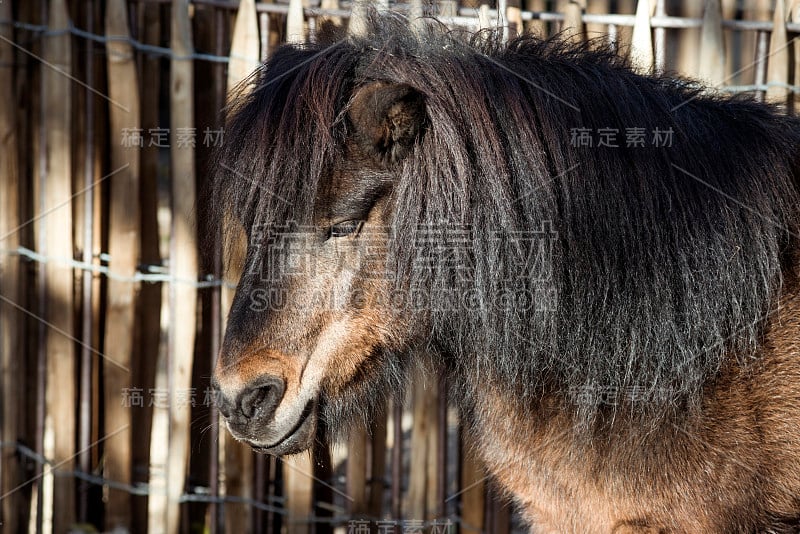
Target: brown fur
point(733, 467)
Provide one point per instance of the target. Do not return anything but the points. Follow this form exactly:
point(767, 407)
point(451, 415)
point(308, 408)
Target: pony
point(604, 263)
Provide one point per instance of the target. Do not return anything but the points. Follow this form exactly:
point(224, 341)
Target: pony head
point(310, 171)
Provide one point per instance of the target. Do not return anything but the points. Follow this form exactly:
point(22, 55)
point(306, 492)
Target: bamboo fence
point(110, 320)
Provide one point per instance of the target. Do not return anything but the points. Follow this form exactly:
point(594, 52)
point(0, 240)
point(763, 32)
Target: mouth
point(297, 439)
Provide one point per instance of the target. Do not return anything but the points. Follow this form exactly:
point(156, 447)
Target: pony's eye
point(345, 228)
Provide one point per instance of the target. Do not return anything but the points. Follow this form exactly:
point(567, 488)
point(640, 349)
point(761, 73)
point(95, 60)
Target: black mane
point(664, 260)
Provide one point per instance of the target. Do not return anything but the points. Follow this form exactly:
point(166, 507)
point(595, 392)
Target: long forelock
point(282, 134)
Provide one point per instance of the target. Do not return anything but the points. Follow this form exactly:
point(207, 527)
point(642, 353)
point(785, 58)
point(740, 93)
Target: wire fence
point(103, 291)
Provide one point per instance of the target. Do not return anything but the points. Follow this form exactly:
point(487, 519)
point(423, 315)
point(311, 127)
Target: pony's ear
point(387, 119)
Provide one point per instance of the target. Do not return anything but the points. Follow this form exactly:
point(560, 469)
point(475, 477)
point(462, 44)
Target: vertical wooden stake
point(123, 243)
point(681, 45)
point(573, 21)
point(397, 457)
point(244, 44)
point(183, 255)
point(473, 487)
point(760, 10)
point(378, 471)
point(357, 471)
point(423, 475)
point(625, 33)
point(149, 301)
point(597, 6)
point(513, 17)
point(712, 45)
point(238, 462)
point(295, 22)
point(60, 392)
point(299, 491)
point(484, 19)
point(642, 41)
point(536, 26)
point(10, 379)
point(778, 63)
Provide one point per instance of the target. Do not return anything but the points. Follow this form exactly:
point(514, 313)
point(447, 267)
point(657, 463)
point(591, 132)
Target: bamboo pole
point(762, 58)
point(624, 34)
point(244, 57)
point(778, 62)
point(42, 487)
point(681, 45)
point(218, 312)
point(25, 84)
point(83, 211)
point(502, 6)
point(238, 462)
point(11, 385)
point(123, 243)
point(594, 31)
point(183, 256)
point(513, 17)
point(733, 39)
point(60, 394)
point(323, 476)
point(473, 487)
point(658, 8)
point(752, 10)
point(422, 477)
point(397, 457)
point(442, 445)
point(378, 463)
point(157, 501)
point(573, 24)
point(712, 45)
point(536, 27)
point(295, 22)
point(418, 465)
point(436, 471)
point(484, 19)
point(299, 492)
point(149, 301)
point(357, 472)
point(642, 41)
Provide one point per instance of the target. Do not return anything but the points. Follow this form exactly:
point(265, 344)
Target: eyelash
point(345, 228)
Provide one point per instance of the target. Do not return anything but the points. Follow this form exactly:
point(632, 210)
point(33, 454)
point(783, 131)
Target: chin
point(298, 439)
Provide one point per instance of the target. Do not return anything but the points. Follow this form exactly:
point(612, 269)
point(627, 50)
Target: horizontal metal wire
point(465, 17)
point(144, 273)
point(200, 494)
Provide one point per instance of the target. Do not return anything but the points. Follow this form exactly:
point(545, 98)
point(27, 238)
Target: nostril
point(222, 404)
point(253, 398)
point(262, 399)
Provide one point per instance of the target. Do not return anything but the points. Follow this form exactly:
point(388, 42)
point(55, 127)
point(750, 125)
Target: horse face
point(312, 330)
